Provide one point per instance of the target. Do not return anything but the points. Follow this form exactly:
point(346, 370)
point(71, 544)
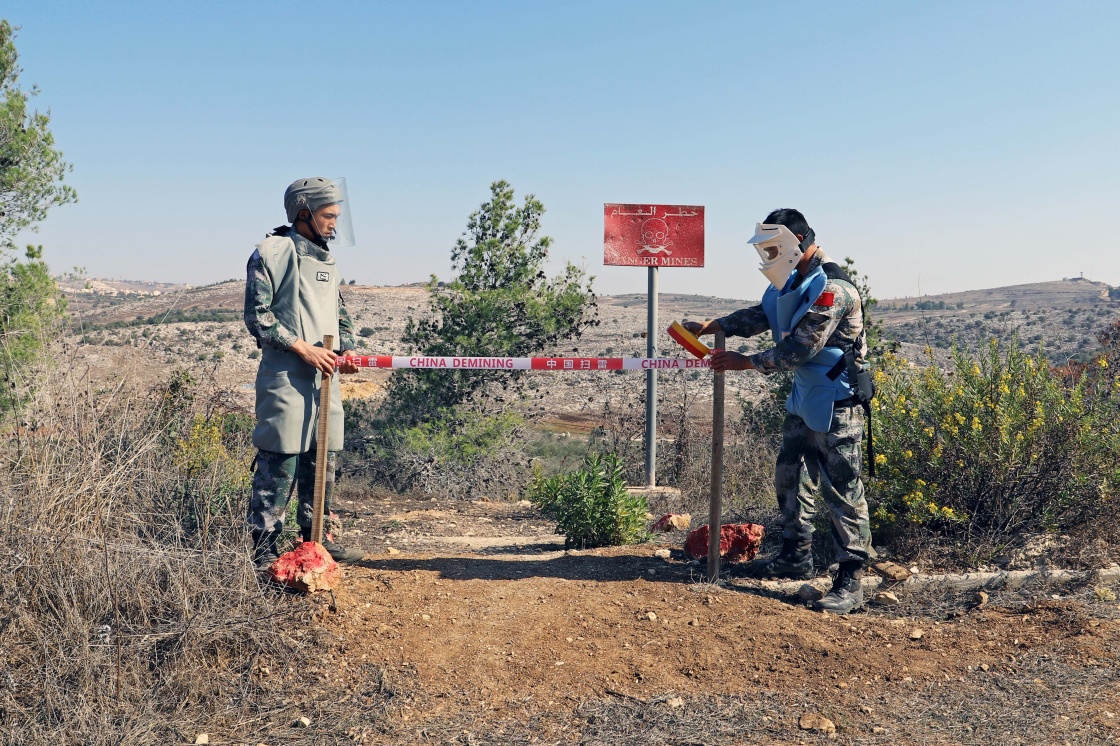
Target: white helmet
point(779, 250)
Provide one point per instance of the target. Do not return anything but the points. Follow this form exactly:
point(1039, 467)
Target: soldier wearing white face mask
point(815, 315)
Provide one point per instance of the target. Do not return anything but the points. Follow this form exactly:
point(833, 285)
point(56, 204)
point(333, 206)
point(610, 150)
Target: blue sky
point(945, 146)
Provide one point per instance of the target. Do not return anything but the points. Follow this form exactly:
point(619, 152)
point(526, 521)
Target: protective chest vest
point(305, 300)
point(816, 385)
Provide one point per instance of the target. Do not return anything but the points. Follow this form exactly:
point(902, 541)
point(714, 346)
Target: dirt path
point(518, 641)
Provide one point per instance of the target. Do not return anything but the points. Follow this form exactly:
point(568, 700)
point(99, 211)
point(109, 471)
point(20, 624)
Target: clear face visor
point(330, 214)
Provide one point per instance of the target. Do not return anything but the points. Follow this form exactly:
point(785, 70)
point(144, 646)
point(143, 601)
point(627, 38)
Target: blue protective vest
point(814, 392)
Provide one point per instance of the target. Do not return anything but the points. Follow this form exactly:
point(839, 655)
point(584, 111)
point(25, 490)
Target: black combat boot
point(338, 553)
point(264, 548)
point(847, 590)
point(795, 562)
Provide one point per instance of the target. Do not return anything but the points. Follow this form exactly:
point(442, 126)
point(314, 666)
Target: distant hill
point(1070, 293)
point(1065, 315)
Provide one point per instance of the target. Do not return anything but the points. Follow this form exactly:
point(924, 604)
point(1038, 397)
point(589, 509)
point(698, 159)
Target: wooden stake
point(321, 437)
point(715, 506)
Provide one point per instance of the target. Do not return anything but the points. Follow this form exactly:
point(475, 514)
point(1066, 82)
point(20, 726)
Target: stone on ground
point(306, 568)
point(819, 723)
point(672, 522)
point(738, 542)
point(891, 571)
point(809, 592)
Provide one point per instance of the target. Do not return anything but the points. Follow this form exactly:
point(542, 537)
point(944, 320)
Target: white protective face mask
point(779, 250)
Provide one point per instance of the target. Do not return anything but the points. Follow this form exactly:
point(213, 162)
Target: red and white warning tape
point(559, 364)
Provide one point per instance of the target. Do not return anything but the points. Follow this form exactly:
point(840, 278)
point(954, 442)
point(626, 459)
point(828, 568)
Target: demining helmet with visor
point(780, 251)
point(327, 206)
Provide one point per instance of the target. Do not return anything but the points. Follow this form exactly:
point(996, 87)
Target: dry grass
point(130, 612)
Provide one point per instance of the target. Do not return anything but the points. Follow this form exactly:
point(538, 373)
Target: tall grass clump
point(998, 447)
point(129, 611)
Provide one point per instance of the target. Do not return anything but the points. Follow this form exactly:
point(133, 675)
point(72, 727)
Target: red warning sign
point(653, 235)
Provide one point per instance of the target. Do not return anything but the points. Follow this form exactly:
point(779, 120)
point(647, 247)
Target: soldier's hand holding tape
point(345, 364)
point(701, 327)
point(722, 360)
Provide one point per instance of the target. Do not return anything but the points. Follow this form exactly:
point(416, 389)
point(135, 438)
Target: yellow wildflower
point(1102, 362)
point(880, 459)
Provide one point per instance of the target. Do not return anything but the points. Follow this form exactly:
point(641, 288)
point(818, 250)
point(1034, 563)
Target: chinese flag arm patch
point(826, 300)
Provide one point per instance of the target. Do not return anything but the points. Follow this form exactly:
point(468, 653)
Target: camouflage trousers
point(273, 480)
point(829, 464)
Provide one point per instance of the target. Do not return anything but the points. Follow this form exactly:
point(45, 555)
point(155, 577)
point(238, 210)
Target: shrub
point(997, 446)
point(592, 506)
point(367, 331)
point(474, 453)
point(31, 308)
point(214, 461)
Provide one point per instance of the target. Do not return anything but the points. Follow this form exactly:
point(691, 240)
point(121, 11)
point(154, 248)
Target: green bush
point(998, 446)
point(31, 308)
point(473, 454)
point(591, 506)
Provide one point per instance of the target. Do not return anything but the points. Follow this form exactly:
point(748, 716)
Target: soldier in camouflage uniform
point(291, 301)
point(816, 316)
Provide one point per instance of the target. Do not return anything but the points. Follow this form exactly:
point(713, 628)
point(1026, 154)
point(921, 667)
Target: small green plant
point(591, 506)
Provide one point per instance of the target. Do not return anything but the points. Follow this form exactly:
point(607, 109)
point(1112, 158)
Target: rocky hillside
point(137, 329)
point(1064, 317)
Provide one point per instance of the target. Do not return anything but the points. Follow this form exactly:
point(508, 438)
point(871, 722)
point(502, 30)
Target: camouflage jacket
point(840, 325)
point(263, 324)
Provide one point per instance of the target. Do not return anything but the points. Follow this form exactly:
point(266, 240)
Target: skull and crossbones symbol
point(655, 238)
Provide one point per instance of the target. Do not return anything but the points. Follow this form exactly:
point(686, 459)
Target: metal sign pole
point(651, 382)
point(715, 507)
